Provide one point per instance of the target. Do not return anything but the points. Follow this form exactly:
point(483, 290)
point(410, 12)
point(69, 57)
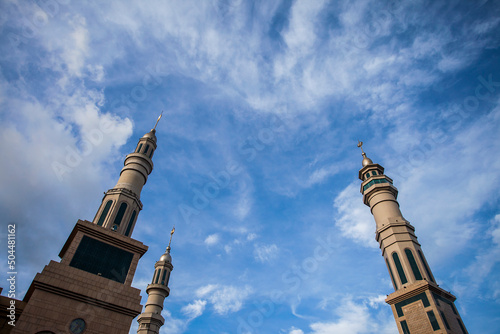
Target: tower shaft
point(89, 290)
point(419, 305)
point(121, 204)
point(151, 319)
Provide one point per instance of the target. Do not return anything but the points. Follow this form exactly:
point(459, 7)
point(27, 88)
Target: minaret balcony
point(382, 184)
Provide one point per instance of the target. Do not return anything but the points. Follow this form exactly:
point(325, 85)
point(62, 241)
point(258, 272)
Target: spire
point(166, 256)
point(366, 161)
point(159, 117)
point(170, 241)
point(121, 204)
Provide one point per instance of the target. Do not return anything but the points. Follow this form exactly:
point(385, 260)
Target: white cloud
point(321, 174)
point(194, 309)
point(354, 219)
point(206, 290)
point(482, 266)
point(212, 239)
point(265, 253)
point(172, 325)
point(294, 330)
point(355, 318)
point(224, 298)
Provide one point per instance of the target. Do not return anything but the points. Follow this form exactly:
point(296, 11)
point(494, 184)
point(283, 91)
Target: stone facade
point(62, 293)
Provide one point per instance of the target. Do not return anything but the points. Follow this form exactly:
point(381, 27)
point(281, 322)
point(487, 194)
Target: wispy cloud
point(194, 309)
point(265, 253)
point(353, 318)
point(224, 299)
point(212, 239)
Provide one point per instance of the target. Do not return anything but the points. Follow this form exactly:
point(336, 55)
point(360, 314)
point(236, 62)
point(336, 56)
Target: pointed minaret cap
point(151, 134)
point(167, 257)
point(366, 161)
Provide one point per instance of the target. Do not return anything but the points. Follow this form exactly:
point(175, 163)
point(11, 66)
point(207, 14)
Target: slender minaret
point(121, 204)
point(419, 305)
point(151, 319)
point(90, 289)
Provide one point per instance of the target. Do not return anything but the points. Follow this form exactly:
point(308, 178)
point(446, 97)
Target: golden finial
point(171, 234)
point(366, 160)
point(360, 145)
point(159, 117)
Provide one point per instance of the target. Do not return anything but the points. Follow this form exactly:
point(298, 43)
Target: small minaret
point(120, 205)
point(151, 319)
point(419, 305)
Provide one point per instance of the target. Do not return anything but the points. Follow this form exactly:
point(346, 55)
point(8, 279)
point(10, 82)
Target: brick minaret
point(419, 305)
point(151, 319)
point(89, 291)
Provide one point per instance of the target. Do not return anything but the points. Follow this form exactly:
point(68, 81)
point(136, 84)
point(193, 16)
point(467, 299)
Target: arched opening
point(104, 213)
point(119, 215)
point(421, 256)
point(413, 265)
point(163, 277)
point(392, 276)
point(399, 268)
point(155, 276)
point(130, 223)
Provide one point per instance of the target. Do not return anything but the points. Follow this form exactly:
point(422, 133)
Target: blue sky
point(270, 98)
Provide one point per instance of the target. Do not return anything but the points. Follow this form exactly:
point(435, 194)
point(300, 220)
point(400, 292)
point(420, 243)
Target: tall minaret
point(419, 305)
point(151, 319)
point(90, 289)
point(121, 204)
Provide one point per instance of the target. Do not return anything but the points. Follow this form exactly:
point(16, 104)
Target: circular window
point(77, 326)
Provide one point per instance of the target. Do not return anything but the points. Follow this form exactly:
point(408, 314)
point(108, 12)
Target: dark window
point(147, 149)
point(374, 173)
point(130, 223)
point(372, 182)
point(413, 265)
point(444, 320)
point(151, 154)
point(119, 215)
point(399, 268)
point(392, 276)
point(433, 320)
point(168, 278)
point(404, 326)
point(421, 256)
point(163, 277)
point(104, 213)
point(155, 275)
point(158, 276)
point(138, 148)
point(102, 259)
